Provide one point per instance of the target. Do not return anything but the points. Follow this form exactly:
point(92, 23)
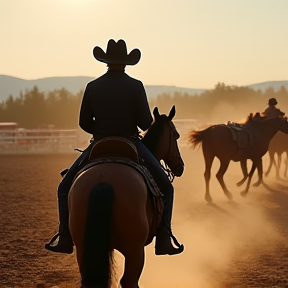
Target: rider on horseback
point(116, 105)
point(272, 111)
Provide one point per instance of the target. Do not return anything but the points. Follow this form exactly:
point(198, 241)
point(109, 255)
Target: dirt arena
point(243, 243)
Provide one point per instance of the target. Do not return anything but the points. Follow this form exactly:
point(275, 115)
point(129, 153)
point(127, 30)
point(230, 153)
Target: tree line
point(33, 108)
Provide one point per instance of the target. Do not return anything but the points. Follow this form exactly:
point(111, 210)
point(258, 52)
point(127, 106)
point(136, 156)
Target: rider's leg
point(62, 241)
point(163, 237)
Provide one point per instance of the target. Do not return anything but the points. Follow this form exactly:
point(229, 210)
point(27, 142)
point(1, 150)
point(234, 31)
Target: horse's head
point(161, 140)
point(283, 124)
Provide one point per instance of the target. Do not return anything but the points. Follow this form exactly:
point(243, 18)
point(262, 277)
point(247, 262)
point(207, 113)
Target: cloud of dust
point(211, 245)
point(215, 236)
point(224, 112)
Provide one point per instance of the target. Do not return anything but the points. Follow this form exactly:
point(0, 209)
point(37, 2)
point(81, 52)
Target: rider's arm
point(86, 121)
point(267, 112)
point(142, 110)
point(281, 113)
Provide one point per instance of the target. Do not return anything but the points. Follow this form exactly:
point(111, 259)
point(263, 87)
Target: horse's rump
point(132, 208)
point(217, 139)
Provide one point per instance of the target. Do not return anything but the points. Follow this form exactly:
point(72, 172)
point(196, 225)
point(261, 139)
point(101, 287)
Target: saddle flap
point(114, 147)
point(243, 135)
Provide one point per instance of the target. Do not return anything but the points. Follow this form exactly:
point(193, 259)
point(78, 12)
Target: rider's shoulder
point(96, 80)
point(134, 79)
point(135, 82)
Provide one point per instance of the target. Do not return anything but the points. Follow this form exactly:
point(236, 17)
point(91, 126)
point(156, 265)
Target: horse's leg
point(259, 167)
point(243, 193)
point(286, 165)
point(277, 166)
point(134, 262)
point(271, 161)
point(208, 157)
point(223, 168)
point(243, 164)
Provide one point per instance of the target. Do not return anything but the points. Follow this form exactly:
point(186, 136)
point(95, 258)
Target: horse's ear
point(172, 112)
point(156, 112)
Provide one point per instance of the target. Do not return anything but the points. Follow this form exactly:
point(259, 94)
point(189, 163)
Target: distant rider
point(272, 111)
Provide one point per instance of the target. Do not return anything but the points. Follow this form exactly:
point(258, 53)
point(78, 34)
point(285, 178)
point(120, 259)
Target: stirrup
point(67, 249)
point(64, 172)
point(168, 248)
point(176, 242)
point(53, 239)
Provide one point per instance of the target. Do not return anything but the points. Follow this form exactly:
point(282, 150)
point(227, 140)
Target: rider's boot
point(163, 243)
point(62, 241)
point(164, 234)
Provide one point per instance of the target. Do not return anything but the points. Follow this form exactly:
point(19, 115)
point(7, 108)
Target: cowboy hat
point(116, 53)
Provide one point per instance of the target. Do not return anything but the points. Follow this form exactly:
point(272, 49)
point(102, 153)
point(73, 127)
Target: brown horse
point(111, 207)
point(278, 146)
point(217, 141)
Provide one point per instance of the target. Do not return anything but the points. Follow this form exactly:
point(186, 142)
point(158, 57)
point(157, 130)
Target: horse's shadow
point(275, 190)
point(232, 203)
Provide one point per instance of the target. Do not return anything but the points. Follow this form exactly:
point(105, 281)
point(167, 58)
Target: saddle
point(244, 135)
point(116, 149)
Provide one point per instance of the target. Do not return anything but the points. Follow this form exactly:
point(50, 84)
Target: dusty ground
point(243, 243)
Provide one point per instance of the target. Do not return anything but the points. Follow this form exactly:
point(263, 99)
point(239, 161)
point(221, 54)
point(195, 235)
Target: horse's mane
point(257, 116)
point(156, 128)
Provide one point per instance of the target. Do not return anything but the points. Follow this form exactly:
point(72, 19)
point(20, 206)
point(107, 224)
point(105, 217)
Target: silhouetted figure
point(116, 104)
point(272, 111)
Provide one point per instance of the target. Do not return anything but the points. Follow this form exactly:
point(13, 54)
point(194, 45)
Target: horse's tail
point(97, 253)
point(196, 137)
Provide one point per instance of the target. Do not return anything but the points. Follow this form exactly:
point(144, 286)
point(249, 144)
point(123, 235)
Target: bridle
point(173, 135)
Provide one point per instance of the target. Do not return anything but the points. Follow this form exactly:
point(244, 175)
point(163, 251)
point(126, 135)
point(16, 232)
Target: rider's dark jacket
point(114, 104)
point(273, 112)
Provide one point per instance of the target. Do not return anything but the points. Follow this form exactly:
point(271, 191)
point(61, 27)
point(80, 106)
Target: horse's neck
point(149, 144)
point(269, 128)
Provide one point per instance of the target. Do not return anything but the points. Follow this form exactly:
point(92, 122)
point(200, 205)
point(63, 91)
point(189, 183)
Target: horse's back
point(130, 218)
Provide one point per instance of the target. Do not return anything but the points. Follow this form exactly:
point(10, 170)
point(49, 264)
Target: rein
point(165, 167)
point(168, 171)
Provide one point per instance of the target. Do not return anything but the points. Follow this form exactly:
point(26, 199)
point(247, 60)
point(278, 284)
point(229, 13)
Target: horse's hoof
point(256, 184)
point(229, 196)
point(240, 183)
point(208, 199)
point(243, 193)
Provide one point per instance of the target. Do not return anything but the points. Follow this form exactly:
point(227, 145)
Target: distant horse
point(111, 207)
point(217, 141)
point(278, 146)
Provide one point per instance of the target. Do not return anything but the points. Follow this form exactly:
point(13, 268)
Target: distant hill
point(276, 85)
point(13, 86)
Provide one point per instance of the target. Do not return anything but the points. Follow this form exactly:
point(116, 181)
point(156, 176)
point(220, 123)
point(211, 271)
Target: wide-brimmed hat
point(116, 53)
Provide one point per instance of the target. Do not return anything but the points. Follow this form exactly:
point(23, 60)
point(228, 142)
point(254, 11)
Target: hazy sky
point(186, 43)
